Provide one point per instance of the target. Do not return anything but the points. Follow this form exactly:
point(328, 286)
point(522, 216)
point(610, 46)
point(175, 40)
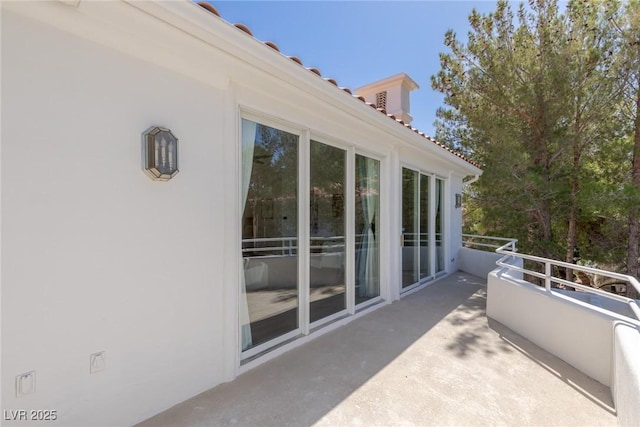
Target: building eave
point(165, 27)
point(403, 77)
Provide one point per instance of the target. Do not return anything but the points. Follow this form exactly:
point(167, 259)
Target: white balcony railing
point(510, 253)
point(487, 243)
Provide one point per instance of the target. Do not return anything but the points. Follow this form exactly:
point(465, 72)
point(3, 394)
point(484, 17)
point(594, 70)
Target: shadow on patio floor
point(431, 358)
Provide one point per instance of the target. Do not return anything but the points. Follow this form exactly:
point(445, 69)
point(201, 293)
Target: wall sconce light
point(160, 153)
point(458, 200)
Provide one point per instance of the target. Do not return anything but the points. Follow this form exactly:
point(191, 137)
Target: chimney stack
point(391, 94)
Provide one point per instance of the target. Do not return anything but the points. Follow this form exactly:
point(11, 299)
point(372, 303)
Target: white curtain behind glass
point(368, 259)
point(248, 142)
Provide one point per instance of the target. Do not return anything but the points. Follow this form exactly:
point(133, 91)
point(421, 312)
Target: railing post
point(547, 275)
point(634, 309)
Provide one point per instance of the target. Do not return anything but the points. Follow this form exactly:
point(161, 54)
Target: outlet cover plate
point(25, 383)
point(97, 362)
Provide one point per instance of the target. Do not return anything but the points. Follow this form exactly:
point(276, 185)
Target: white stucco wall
point(577, 333)
point(95, 255)
point(477, 262)
point(398, 102)
point(455, 223)
point(625, 382)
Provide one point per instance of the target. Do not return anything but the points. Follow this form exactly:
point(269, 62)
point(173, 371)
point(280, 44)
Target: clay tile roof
point(211, 9)
point(208, 6)
point(243, 28)
point(273, 46)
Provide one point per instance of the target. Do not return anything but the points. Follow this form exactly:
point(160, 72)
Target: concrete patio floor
point(432, 358)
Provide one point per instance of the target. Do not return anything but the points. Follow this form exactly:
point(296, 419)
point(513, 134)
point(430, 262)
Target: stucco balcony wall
point(577, 332)
point(625, 386)
point(479, 263)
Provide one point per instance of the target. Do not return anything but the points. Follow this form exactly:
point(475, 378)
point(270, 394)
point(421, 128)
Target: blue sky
point(359, 42)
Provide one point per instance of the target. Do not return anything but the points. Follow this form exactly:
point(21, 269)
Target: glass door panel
point(439, 229)
point(410, 227)
point(327, 231)
point(269, 301)
point(367, 215)
point(425, 252)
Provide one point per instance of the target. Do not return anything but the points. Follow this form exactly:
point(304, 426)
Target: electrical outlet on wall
point(26, 383)
point(97, 362)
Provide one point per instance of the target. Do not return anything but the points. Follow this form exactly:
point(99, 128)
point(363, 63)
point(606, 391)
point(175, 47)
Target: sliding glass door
point(422, 227)
point(439, 226)
point(425, 252)
point(297, 245)
point(327, 293)
point(269, 301)
point(367, 229)
point(410, 227)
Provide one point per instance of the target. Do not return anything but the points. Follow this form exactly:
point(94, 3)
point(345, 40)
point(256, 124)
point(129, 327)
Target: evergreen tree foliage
point(544, 99)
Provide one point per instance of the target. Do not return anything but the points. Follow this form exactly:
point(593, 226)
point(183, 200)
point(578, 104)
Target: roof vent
point(381, 100)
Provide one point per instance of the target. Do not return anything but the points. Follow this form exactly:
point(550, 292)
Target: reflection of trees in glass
point(271, 208)
point(367, 188)
point(439, 200)
point(439, 207)
point(327, 227)
point(425, 269)
point(409, 204)
point(327, 190)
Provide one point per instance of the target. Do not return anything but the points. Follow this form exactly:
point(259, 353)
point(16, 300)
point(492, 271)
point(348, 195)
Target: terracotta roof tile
point(273, 46)
point(315, 71)
point(243, 28)
point(295, 59)
point(208, 6)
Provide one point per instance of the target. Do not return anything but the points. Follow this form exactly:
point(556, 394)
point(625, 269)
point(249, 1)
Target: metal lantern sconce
point(160, 153)
point(458, 200)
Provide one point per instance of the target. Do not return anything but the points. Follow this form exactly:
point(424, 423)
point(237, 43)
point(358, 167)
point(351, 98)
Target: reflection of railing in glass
point(289, 245)
point(413, 238)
